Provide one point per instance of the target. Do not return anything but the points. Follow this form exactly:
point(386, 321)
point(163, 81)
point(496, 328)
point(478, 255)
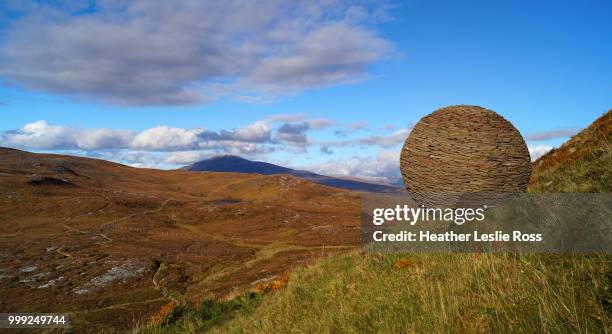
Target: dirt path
point(163, 290)
point(105, 225)
point(161, 207)
point(74, 229)
point(102, 235)
point(120, 305)
point(265, 251)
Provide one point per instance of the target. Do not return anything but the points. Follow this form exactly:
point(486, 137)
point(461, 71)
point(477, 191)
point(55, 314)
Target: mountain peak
point(225, 157)
point(236, 164)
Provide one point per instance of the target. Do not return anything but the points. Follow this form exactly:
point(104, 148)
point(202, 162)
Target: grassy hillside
point(431, 293)
point(437, 293)
point(583, 164)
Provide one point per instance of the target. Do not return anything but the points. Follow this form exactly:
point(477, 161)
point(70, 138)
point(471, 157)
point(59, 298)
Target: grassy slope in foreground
point(528, 293)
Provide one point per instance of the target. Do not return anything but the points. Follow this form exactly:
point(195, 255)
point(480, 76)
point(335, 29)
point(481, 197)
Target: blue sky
point(348, 79)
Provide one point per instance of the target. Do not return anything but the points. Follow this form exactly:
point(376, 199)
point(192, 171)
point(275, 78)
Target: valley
point(111, 244)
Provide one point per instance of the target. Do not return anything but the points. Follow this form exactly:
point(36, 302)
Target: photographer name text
point(451, 236)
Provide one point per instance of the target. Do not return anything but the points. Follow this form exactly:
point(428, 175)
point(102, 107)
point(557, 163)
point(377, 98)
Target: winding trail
point(105, 225)
point(264, 251)
point(163, 290)
point(74, 229)
point(161, 207)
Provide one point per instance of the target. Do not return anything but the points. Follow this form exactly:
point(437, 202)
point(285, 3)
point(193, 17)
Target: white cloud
point(142, 52)
point(138, 159)
point(164, 146)
point(319, 123)
point(351, 128)
point(186, 157)
point(163, 138)
point(287, 118)
point(237, 148)
point(395, 138)
point(538, 151)
point(103, 138)
point(383, 168)
point(256, 132)
point(329, 54)
point(42, 135)
point(39, 135)
point(357, 125)
point(385, 141)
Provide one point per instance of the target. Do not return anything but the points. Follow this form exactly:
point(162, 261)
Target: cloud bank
point(141, 52)
point(382, 168)
point(167, 147)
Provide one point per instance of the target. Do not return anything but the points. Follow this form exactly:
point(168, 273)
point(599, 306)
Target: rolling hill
point(235, 164)
point(442, 293)
point(111, 244)
point(119, 248)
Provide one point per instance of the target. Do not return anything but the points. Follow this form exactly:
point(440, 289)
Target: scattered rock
point(127, 270)
point(28, 269)
point(63, 170)
point(52, 248)
point(3, 275)
point(47, 180)
point(50, 283)
point(31, 280)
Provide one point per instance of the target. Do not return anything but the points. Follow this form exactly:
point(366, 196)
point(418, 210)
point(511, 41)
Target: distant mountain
point(235, 164)
point(57, 208)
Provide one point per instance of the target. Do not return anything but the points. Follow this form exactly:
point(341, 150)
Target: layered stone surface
point(461, 150)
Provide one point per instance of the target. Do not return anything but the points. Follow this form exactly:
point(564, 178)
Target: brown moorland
point(111, 245)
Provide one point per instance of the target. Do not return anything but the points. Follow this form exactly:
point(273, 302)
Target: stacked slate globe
point(464, 156)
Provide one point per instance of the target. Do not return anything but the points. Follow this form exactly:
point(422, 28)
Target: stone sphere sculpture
point(460, 151)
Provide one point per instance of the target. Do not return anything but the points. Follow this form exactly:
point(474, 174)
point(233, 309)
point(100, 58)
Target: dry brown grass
point(457, 293)
point(208, 246)
point(275, 284)
point(580, 165)
point(160, 317)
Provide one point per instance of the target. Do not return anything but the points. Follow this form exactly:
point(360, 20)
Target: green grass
point(443, 293)
point(593, 175)
point(428, 293)
point(435, 293)
point(185, 319)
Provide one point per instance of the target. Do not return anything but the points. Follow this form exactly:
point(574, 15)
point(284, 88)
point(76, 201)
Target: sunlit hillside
point(433, 293)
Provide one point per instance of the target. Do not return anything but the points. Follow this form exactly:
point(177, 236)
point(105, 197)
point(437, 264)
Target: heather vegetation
point(583, 164)
point(432, 293)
